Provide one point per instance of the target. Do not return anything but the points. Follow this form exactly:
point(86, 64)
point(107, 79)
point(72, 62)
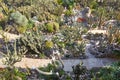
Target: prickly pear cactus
point(19, 19)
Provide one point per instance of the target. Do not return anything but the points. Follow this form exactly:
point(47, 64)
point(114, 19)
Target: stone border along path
point(90, 62)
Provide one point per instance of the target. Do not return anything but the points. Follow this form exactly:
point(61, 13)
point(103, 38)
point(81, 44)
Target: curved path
point(90, 62)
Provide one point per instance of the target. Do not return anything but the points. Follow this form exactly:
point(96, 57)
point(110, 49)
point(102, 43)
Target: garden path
point(90, 62)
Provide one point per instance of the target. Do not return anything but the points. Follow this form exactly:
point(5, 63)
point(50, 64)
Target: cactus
point(21, 29)
point(55, 68)
point(52, 27)
point(78, 70)
point(49, 44)
point(19, 19)
point(49, 27)
point(13, 55)
point(77, 49)
point(33, 41)
point(113, 34)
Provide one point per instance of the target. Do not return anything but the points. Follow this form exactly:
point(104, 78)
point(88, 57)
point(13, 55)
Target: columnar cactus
point(14, 55)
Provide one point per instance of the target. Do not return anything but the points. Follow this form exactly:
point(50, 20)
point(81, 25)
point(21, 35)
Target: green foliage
point(68, 12)
point(21, 29)
point(93, 5)
point(50, 27)
point(5, 8)
point(70, 39)
point(116, 53)
point(14, 54)
point(76, 48)
point(109, 72)
point(67, 3)
point(78, 70)
point(113, 34)
point(57, 40)
point(35, 43)
point(46, 10)
point(12, 74)
point(76, 32)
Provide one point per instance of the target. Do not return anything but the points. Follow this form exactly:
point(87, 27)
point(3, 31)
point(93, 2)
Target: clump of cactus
point(33, 41)
point(52, 27)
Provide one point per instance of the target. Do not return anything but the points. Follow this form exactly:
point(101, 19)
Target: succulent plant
point(36, 43)
point(52, 27)
point(19, 19)
point(49, 44)
point(78, 70)
point(32, 41)
point(14, 54)
point(77, 49)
